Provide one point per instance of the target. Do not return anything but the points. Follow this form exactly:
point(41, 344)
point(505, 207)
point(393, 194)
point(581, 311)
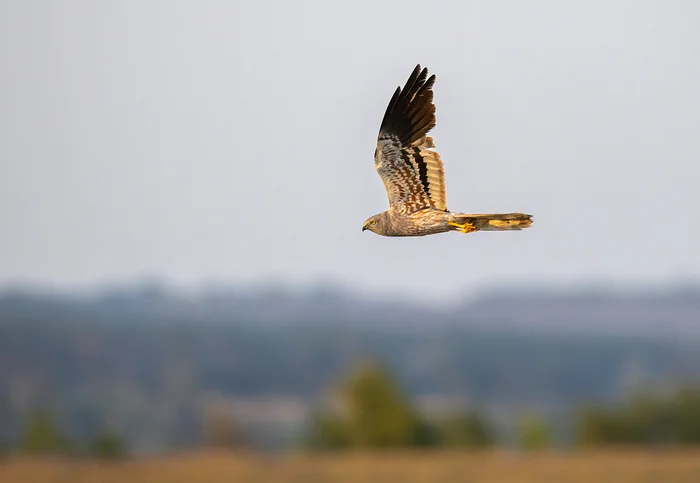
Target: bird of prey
point(413, 174)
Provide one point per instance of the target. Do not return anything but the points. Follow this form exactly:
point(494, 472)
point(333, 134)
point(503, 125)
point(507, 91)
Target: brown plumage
point(413, 173)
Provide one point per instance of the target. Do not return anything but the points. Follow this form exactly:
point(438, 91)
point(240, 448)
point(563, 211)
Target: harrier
point(413, 175)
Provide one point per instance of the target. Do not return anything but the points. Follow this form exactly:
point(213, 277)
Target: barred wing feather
point(410, 168)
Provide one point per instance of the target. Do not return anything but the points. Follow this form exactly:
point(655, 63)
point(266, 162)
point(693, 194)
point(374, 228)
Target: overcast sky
point(209, 141)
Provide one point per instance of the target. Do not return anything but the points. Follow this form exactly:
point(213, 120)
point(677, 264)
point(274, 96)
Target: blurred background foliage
point(370, 411)
point(152, 372)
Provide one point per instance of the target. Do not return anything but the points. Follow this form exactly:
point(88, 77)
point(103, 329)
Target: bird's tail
point(467, 223)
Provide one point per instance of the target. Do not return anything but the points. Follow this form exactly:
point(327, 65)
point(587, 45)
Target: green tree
point(688, 414)
point(379, 415)
point(468, 430)
point(645, 418)
point(595, 426)
point(328, 432)
point(42, 436)
point(108, 445)
point(533, 433)
point(426, 433)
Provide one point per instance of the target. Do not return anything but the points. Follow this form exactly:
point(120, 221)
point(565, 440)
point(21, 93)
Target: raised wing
point(411, 170)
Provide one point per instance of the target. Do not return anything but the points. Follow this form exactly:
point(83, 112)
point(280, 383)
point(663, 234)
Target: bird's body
point(413, 173)
point(430, 221)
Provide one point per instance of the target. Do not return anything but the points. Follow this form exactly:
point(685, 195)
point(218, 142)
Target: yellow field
point(585, 467)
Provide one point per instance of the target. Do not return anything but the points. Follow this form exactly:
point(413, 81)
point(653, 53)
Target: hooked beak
point(364, 227)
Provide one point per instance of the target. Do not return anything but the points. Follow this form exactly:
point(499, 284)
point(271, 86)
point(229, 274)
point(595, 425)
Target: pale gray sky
point(206, 140)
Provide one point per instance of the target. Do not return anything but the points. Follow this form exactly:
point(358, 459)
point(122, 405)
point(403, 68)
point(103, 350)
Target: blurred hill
point(153, 361)
point(674, 310)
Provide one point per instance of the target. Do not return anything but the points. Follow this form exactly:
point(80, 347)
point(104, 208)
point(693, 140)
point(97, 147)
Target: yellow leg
point(465, 227)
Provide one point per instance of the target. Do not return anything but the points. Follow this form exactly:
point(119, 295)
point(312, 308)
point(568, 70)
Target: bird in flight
point(413, 174)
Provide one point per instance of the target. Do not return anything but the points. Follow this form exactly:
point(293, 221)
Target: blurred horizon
point(597, 286)
point(268, 354)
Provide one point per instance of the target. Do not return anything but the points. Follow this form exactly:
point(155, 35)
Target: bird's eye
point(373, 222)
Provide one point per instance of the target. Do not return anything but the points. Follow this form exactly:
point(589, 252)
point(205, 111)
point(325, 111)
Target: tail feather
point(466, 223)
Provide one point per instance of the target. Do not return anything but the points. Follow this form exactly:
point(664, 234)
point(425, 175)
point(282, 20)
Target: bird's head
point(374, 224)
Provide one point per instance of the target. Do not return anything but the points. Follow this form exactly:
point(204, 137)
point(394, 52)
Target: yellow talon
point(462, 227)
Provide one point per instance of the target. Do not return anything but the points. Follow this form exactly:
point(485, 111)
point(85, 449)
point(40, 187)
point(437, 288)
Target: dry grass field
point(597, 466)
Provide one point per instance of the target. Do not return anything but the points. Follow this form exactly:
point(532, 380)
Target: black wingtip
point(411, 112)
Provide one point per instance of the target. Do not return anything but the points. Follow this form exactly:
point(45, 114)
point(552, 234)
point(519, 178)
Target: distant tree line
point(375, 414)
point(127, 366)
point(42, 436)
point(645, 419)
point(370, 411)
